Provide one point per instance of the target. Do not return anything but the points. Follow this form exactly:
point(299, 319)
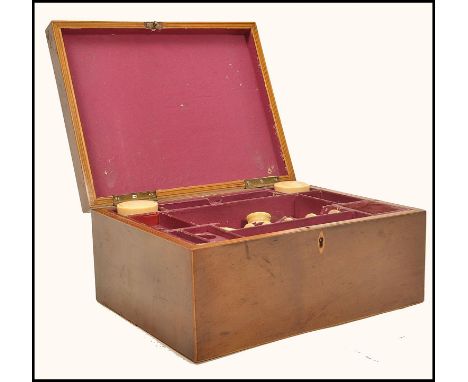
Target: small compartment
point(305, 205)
point(234, 214)
point(184, 204)
point(357, 214)
point(188, 236)
point(151, 219)
point(241, 196)
point(211, 233)
point(372, 207)
point(201, 220)
point(331, 196)
point(299, 223)
point(160, 221)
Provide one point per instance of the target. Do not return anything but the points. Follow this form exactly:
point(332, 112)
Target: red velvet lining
point(161, 221)
point(211, 233)
point(171, 108)
point(199, 220)
point(331, 196)
point(372, 207)
point(195, 202)
point(233, 214)
point(241, 196)
point(304, 222)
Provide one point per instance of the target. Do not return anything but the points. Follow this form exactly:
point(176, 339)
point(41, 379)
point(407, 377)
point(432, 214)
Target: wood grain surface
point(209, 301)
point(145, 279)
point(83, 191)
point(262, 290)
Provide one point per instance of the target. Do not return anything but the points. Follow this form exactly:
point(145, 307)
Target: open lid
point(175, 108)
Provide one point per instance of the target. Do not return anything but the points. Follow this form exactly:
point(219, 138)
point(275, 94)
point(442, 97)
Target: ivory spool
point(291, 187)
point(136, 207)
point(257, 217)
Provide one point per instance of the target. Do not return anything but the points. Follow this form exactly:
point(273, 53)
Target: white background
point(77, 337)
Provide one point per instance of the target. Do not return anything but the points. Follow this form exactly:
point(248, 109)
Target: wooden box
point(184, 113)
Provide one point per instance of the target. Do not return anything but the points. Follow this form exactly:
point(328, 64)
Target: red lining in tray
point(200, 220)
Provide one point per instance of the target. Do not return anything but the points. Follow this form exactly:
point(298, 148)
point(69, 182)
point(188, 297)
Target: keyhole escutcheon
point(321, 242)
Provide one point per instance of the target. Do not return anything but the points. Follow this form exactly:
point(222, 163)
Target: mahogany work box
point(184, 113)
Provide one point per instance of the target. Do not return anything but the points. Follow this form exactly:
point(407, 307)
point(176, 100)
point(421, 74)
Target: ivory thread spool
point(136, 207)
point(291, 187)
point(255, 218)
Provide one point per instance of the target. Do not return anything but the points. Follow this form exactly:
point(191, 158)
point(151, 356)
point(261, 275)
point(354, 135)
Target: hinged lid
point(174, 108)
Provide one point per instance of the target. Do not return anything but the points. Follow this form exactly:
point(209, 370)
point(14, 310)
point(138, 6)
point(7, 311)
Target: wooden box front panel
point(145, 279)
point(259, 290)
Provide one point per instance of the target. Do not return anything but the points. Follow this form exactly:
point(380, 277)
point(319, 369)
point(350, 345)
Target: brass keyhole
point(320, 242)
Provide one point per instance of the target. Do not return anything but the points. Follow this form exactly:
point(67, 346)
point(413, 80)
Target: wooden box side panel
point(257, 291)
point(84, 198)
point(145, 279)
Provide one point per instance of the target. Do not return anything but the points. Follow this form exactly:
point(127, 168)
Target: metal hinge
point(149, 195)
point(153, 25)
point(261, 182)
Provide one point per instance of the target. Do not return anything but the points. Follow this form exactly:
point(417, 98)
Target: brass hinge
point(261, 182)
point(153, 25)
point(149, 195)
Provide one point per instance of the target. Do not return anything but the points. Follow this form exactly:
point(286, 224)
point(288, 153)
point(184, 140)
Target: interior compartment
point(160, 221)
point(331, 196)
point(298, 223)
point(211, 233)
point(202, 220)
point(234, 214)
point(188, 236)
point(372, 207)
point(241, 196)
point(184, 204)
point(215, 199)
point(341, 208)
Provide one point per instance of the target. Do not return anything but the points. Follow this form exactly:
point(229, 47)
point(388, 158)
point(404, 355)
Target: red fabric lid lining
point(171, 108)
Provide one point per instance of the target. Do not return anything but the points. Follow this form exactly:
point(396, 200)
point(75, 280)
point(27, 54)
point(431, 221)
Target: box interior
point(171, 108)
point(203, 220)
